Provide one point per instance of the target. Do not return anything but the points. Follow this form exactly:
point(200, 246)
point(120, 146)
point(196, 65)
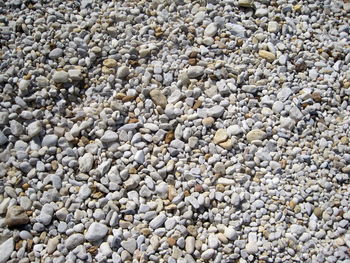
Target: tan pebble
point(270, 57)
point(220, 136)
point(110, 63)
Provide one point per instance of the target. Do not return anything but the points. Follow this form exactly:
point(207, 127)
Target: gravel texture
point(174, 131)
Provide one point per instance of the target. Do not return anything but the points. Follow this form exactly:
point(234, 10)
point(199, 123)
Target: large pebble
point(16, 216)
point(96, 232)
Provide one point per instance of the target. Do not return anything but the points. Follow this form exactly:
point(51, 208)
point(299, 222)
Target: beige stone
point(158, 98)
point(110, 63)
point(220, 136)
point(254, 135)
point(267, 55)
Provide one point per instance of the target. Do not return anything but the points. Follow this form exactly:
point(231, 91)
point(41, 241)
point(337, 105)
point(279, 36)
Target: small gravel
point(174, 131)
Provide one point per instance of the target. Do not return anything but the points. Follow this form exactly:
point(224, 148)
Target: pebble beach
point(175, 131)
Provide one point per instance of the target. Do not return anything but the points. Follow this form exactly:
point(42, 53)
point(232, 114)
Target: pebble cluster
point(174, 131)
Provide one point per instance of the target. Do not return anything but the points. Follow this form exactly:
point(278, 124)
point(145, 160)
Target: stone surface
point(158, 98)
point(16, 216)
point(6, 249)
point(256, 135)
point(96, 232)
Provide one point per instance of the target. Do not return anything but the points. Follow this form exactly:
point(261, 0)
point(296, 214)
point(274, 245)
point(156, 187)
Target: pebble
point(96, 232)
point(208, 254)
point(16, 216)
point(110, 63)
point(74, 240)
point(158, 98)
point(60, 77)
point(270, 57)
point(220, 136)
point(6, 249)
point(211, 30)
point(158, 221)
point(216, 111)
point(123, 72)
point(129, 245)
point(49, 140)
point(109, 136)
point(254, 135)
point(34, 128)
point(194, 72)
point(86, 162)
point(174, 131)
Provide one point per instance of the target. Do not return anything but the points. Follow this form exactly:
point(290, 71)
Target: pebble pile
point(174, 131)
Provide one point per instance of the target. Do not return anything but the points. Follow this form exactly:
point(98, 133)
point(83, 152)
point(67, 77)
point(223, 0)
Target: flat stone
point(109, 136)
point(220, 136)
point(16, 216)
point(213, 241)
point(270, 57)
point(6, 249)
point(194, 72)
point(284, 94)
point(158, 98)
point(60, 77)
point(129, 245)
point(52, 244)
point(246, 3)
point(96, 232)
point(74, 240)
point(75, 74)
point(234, 130)
point(110, 63)
point(216, 111)
point(42, 81)
point(256, 135)
point(226, 181)
point(211, 30)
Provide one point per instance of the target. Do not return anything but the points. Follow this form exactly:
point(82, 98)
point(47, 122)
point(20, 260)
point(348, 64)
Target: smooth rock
point(220, 136)
point(158, 98)
point(96, 232)
point(270, 57)
point(60, 77)
point(6, 249)
point(194, 72)
point(256, 135)
point(158, 221)
point(74, 240)
point(211, 30)
point(109, 136)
